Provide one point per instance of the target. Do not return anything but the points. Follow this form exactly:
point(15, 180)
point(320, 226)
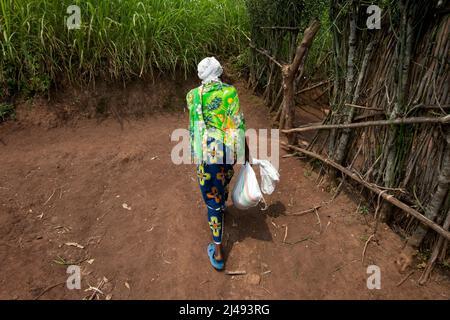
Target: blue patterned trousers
point(214, 180)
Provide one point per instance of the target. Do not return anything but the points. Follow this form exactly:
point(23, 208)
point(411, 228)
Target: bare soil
point(68, 183)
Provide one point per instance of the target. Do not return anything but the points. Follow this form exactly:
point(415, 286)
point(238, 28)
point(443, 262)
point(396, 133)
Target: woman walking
point(217, 133)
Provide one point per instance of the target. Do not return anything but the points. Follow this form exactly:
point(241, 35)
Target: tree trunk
point(349, 84)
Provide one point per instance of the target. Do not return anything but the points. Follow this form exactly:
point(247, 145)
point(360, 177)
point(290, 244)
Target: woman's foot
point(218, 252)
point(218, 262)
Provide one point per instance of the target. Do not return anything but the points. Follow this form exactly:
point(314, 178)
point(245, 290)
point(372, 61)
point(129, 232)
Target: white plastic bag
point(246, 192)
point(269, 175)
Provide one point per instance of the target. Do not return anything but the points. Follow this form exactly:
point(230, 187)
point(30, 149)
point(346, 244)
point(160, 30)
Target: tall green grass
point(118, 39)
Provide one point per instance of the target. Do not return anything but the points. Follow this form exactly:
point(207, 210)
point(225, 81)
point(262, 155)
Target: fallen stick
point(48, 289)
point(318, 218)
point(442, 120)
point(97, 290)
point(389, 198)
point(299, 241)
point(405, 278)
point(285, 233)
point(337, 269)
point(365, 247)
point(300, 213)
point(49, 198)
point(235, 273)
point(274, 224)
point(342, 265)
point(266, 290)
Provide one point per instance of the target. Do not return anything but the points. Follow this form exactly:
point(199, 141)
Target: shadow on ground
point(251, 223)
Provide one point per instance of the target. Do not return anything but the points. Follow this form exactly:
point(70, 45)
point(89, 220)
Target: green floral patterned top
point(214, 112)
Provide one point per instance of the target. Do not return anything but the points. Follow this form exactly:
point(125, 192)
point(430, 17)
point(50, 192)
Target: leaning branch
point(382, 193)
point(265, 53)
point(314, 86)
point(262, 51)
point(442, 120)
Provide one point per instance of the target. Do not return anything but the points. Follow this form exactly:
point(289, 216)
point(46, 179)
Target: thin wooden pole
point(442, 120)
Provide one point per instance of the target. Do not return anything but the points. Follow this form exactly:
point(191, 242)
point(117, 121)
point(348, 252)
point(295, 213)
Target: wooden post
point(289, 73)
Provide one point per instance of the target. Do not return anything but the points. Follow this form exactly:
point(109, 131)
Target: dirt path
point(69, 185)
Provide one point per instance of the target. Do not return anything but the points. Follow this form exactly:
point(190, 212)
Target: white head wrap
point(209, 69)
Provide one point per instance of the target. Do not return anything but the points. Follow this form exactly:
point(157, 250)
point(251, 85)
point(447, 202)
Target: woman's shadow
point(251, 223)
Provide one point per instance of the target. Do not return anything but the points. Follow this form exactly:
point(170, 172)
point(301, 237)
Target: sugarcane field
point(209, 151)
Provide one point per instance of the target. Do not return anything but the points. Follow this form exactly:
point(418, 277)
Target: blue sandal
point(216, 264)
